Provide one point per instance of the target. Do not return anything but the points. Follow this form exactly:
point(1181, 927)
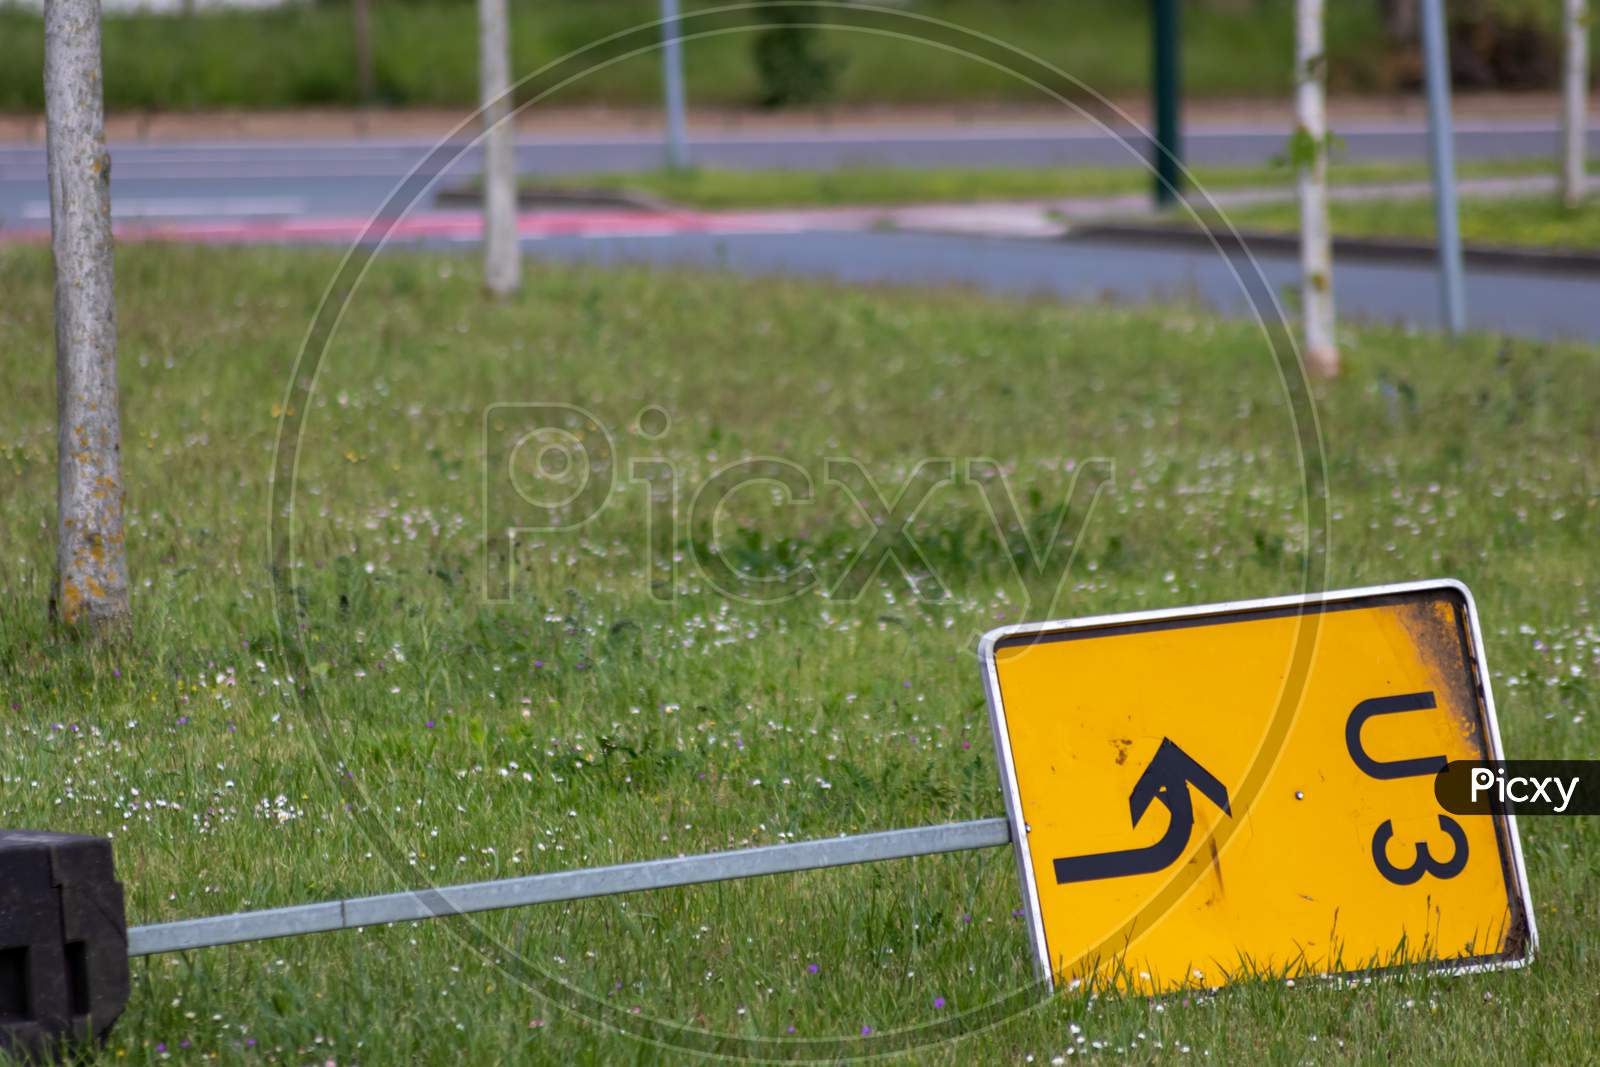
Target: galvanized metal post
point(566, 885)
point(1165, 91)
point(1436, 58)
point(672, 72)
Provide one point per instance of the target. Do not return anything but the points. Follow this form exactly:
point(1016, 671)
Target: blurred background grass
point(301, 55)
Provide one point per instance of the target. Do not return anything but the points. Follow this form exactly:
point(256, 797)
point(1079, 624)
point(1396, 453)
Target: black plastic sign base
point(63, 941)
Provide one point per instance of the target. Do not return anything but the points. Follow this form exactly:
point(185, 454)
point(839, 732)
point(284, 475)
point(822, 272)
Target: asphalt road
point(321, 179)
point(1521, 303)
point(341, 176)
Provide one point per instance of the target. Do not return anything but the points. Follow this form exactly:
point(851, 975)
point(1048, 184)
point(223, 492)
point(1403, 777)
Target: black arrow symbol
point(1167, 779)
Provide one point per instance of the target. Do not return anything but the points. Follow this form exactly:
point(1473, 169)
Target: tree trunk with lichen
point(366, 79)
point(91, 587)
point(1400, 20)
point(1575, 101)
point(1311, 138)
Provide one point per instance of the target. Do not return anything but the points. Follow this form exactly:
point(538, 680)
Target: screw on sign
point(1313, 729)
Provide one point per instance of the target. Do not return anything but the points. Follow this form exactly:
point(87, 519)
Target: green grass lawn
point(1532, 221)
point(715, 188)
point(402, 731)
point(425, 54)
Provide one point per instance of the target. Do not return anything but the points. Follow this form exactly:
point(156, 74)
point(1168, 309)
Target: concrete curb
point(1379, 249)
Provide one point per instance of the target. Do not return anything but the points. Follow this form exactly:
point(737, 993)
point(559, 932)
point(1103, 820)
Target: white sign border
point(1008, 771)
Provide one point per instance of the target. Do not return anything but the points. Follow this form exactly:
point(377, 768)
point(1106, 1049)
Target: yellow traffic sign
point(1247, 789)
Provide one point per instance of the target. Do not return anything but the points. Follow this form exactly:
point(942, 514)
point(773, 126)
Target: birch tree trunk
point(366, 80)
point(1311, 157)
point(1574, 103)
point(502, 260)
point(91, 587)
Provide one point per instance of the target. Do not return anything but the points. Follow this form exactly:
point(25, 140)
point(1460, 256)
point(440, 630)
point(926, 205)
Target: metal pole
point(1442, 159)
point(566, 885)
point(672, 71)
point(1165, 89)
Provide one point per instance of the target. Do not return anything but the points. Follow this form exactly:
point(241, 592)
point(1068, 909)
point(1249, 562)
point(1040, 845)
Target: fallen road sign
point(1292, 745)
point(1247, 789)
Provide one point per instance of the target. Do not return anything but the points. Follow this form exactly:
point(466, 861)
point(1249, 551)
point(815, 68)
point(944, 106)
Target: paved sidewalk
point(1055, 218)
point(1022, 218)
point(1345, 113)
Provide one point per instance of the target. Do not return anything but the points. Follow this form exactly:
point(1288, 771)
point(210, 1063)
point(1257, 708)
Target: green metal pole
point(1168, 149)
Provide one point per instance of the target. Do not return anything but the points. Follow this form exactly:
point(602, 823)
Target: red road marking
point(466, 225)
